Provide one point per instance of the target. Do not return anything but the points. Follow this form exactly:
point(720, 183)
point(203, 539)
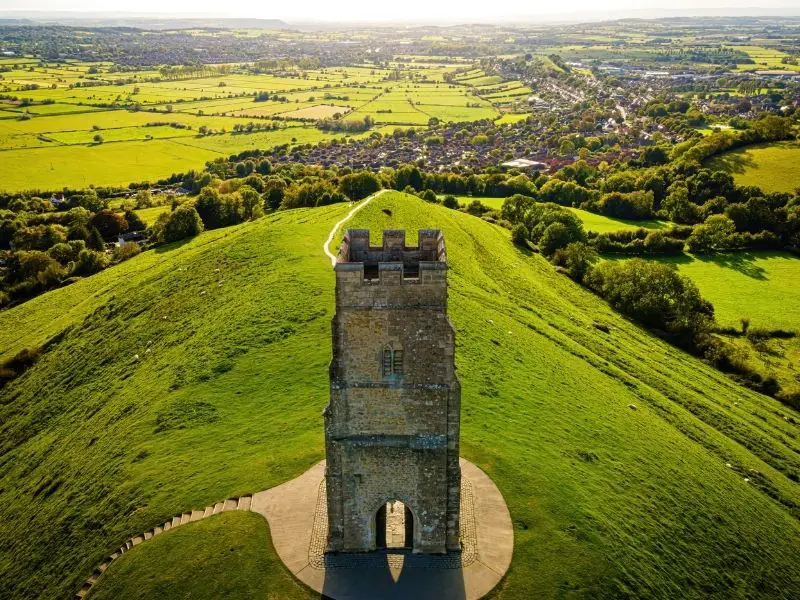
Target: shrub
point(476, 208)
point(90, 262)
point(429, 196)
point(450, 202)
point(577, 258)
point(520, 234)
point(125, 251)
point(15, 366)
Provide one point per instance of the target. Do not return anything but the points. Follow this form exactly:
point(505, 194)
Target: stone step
point(176, 521)
point(128, 545)
point(114, 556)
point(196, 515)
point(244, 503)
point(147, 535)
point(208, 511)
point(157, 531)
point(218, 507)
point(185, 518)
point(167, 525)
point(137, 540)
point(230, 504)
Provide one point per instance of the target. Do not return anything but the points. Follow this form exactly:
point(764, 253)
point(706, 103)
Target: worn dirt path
point(358, 207)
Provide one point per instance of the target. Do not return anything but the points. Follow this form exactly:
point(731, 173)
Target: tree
point(182, 223)
point(95, 240)
point(144, 199)
point(134, 221)
point(634, 205)
point(359, 185)
point(97, 139)
point(218, 210)
point(251, 203)
point(89, 201)
point(109, 224)
point(678, 207)
point(654, 155)
point(274, 189)
point(264, 167)
point(717, 233)
point(772, 127)
point(656, 295)
point(555, 236)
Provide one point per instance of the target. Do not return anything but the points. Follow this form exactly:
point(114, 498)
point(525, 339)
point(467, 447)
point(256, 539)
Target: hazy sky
point(384, 10)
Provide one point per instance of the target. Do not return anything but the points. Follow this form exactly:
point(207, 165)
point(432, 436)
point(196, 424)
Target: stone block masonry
point(392, 423)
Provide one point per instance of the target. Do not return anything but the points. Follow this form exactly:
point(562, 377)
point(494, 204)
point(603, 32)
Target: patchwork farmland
point(78, 123)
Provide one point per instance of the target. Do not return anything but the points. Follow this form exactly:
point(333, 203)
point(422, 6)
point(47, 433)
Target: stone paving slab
point(292, 511)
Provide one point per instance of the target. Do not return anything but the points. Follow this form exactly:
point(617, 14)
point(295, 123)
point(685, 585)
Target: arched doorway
point(394, 527)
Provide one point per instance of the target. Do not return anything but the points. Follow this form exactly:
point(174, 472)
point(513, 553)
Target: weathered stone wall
point(392, 435)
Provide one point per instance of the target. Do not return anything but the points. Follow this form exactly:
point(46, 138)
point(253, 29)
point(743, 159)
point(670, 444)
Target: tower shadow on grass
point(420, 577)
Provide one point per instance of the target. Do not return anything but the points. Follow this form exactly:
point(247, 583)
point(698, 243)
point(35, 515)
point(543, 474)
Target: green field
point(149, 215)
point(602, 224)
point(630, 468)
point(773, 167)
point(764, 59)
point(764, 286)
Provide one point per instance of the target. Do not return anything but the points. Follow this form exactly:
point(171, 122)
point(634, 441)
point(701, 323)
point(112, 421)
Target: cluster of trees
point(346, 125)
point(43, 251)
point(653, 293)
point(641, 241)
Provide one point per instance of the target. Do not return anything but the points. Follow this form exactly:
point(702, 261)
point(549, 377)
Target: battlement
point(394, 262)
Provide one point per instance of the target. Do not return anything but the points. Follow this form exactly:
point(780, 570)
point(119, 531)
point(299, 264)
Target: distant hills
point(139, 21)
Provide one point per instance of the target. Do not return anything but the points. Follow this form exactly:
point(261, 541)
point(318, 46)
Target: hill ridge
point(606, 499)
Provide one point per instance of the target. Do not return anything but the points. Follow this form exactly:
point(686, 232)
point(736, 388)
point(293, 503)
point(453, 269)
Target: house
point(58, 202)
point(524, 163)
point(131, 237)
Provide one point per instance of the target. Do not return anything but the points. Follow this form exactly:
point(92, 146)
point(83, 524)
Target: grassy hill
point(630, 468)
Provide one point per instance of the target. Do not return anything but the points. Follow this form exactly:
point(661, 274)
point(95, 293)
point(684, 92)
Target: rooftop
point(357, 252)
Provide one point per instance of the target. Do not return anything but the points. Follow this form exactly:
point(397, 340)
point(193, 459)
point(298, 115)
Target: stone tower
point(392, 423)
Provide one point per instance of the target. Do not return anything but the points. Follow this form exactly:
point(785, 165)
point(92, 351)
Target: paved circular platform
point(297, 519)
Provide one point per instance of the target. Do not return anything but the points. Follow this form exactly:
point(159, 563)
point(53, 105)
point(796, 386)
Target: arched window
point(392, 362)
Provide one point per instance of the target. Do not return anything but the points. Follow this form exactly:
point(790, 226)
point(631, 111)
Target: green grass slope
point(691, 493)
point(186, 564)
